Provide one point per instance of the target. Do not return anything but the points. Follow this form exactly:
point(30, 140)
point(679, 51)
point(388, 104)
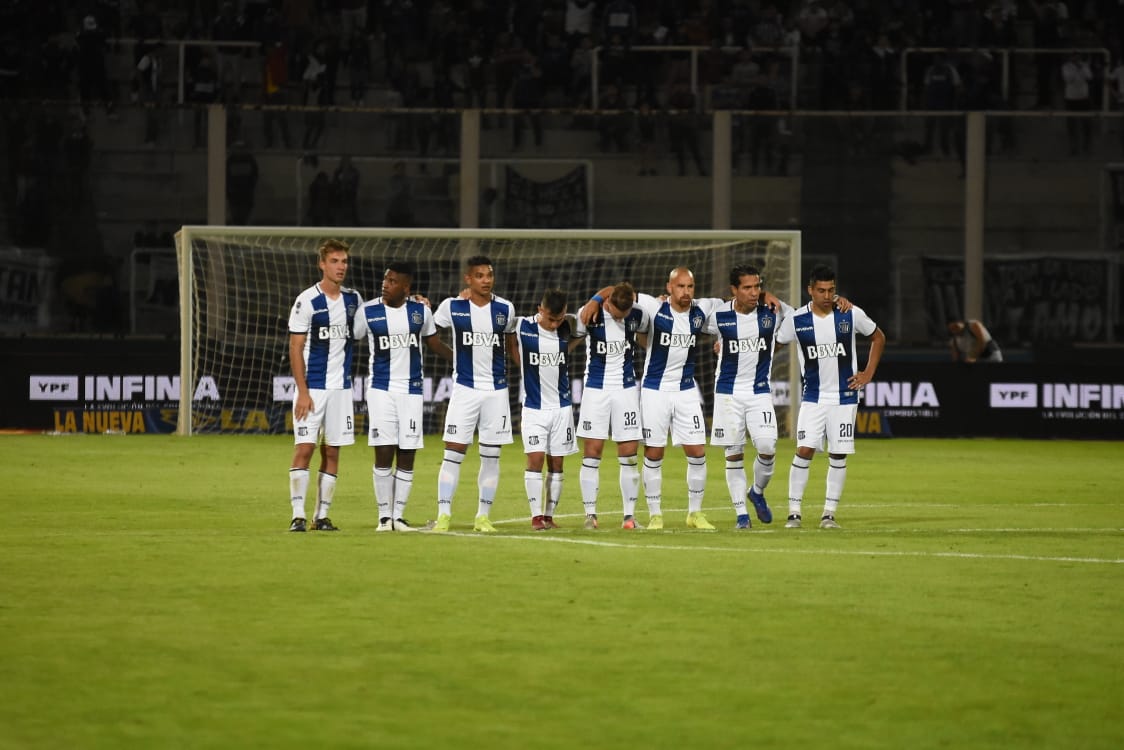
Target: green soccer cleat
point(655, 523)
point(483, 524)
point(442, 524)
point(697, 520)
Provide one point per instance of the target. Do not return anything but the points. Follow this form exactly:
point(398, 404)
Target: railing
point(1004, 54)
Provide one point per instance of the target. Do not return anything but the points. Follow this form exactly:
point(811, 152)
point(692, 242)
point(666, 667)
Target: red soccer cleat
point(538, 524)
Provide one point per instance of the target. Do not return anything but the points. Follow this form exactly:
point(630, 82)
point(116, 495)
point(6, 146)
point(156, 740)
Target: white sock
point(383, 480)
point(762, 473)
point(298, 489)
point(836, 477)
point(403, 483)
point(532, 482)
point(589, 479)
point(630, 483)
point(735, 482)
point(797, 481)
point(696, 482)
point(488, 478)
point(554, 481)
point(653, 485)
point(447, 481)
point(325, 491)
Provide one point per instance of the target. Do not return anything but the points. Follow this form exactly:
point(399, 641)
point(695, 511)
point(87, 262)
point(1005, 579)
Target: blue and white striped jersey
point(745, 361)
point(544, 361)
point(826, 349)
point(394, 338)
point(611, 349)
point(328, 346)
point(478, 340)
point(673, 342)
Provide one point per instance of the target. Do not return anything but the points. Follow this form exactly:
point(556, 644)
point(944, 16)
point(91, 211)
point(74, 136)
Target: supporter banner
point(26, 281)
point(1029, 300)
point(555, 204)
point(995, 400)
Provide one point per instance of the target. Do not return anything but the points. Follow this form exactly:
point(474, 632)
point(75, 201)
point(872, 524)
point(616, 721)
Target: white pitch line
point(846, 553)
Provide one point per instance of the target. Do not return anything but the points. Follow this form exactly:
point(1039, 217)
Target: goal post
point(237, 285)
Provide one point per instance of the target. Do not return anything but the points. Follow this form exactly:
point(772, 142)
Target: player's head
point(956, 326)
point(821, 287)
point(746, 286)
point(552, 309)
point(333, 260)
point(621, 300)
point(479, 275)
point(680, 288)
point(396, 282)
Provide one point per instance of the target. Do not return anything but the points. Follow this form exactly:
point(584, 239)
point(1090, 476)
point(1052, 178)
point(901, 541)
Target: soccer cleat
point(548, 521)
point(760, 507)
point(793, 521)
point(655, 523)
point(323, 524)
point(537, 524)
point(401, 525)
point(385, 525)
point(697, 520)
point(298, 524)
point(743, 522)
point(484, 524)
point(828, 522)
point(631, 523)
point(590, 522)
point(442, 524)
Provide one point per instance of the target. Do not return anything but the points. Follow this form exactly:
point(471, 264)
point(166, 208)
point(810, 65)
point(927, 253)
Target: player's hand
point(589, 312)
point(770, 301)
point(858, 380)
point(422, 299)
point(465, 293)
point(302, 406)
point(842, 304)
point(717, 345)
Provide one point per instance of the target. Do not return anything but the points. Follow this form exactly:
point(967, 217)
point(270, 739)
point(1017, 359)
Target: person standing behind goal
point(825, 345)
point(610, 398)
point(479, 402)
point(395, 327)
point(542, 345)
point(320, 353)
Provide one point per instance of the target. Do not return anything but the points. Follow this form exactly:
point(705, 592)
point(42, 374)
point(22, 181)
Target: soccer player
point(825, 339)
point(610, 398)
point(542, 343)
point(395, 327)
point(480, 325)
point(970, 341)
point(669, 396)
point(320, 352)
point(743, 398)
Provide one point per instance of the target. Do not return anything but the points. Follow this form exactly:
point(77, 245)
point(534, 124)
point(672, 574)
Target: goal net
point(237, 285)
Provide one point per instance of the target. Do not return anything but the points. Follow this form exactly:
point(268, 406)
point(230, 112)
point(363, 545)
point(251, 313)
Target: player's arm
point(439, 347)
point(302, 404)
point(842, 304)
point(577, 334)
point(513, 350)
point(877, 344)
point(591, 309)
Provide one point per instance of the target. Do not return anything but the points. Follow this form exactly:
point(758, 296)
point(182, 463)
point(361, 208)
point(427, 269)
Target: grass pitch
point(151, 597)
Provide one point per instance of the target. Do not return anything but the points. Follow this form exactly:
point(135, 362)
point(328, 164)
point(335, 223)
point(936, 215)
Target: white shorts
point(549, 431)
point(333, 412)
point(830, 423)
point(470, 410)
point(606, 414)
point(735, 415)
point(394, 419)
point(678, 411)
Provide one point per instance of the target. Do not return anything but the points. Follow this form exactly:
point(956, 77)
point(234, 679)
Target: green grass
point(150, 597)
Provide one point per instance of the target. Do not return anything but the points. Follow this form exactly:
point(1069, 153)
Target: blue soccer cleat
point(743, 522)
point(760, 507)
